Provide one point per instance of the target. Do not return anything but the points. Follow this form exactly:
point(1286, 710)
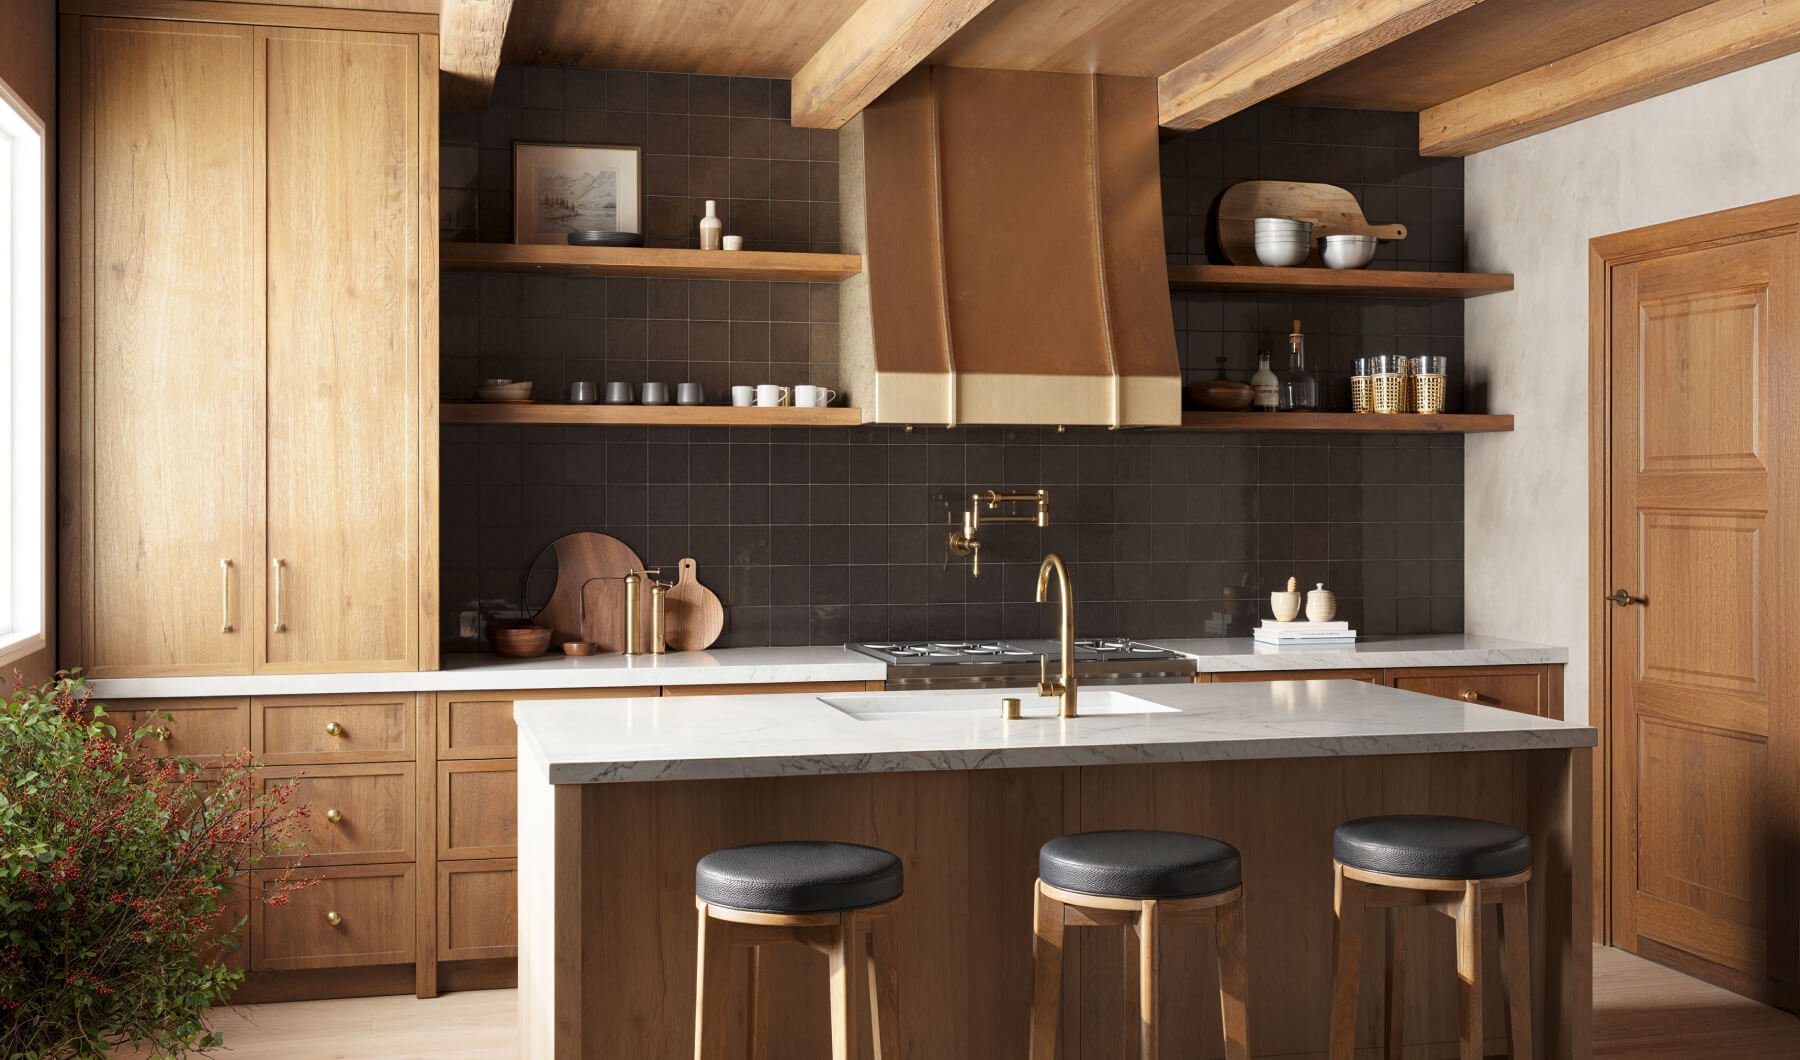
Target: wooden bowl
point(577, 647)
point(1220, 395)
point(505, 392)
point(519, 642)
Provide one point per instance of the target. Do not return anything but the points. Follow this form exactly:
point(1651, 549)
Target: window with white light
point(22, 377)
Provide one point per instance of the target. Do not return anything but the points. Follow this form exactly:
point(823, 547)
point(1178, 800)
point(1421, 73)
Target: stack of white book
point(1303, 632)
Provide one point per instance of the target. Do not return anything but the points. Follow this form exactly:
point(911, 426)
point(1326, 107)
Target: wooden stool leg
point(1515, 948)
point(756, 1006)
point(1394, 1038)
point(712, 988)
point(849, 979)
point(1468, 968)
point(884, 990)
point(1046, 987)
point(1149, 960)
point(1346, 963)
point(1234, 978)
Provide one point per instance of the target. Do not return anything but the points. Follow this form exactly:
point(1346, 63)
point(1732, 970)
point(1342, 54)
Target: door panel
point(1703, 344)
point(344, 302)
point(170, 346)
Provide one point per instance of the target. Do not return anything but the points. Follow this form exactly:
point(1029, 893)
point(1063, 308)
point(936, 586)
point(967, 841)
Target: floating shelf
point(650, 261)
point(1348, 422)
point(650, 415)
point(1378, 283)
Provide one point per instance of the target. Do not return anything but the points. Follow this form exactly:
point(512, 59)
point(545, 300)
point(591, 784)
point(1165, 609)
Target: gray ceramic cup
point(583, 393)
point(656, 393)
point(690, 394)
point(618, 393)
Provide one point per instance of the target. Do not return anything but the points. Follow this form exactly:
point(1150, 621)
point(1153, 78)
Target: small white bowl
point(1347, 251)
point(1282, 253)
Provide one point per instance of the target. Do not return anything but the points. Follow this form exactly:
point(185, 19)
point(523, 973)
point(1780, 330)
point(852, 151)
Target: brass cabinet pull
point(280, 626)
point(1471, 696)
point(333, 919)
point(1625, 599)
point(334, 817)
point(332, 728)
point(225, 596)
point(163, 733)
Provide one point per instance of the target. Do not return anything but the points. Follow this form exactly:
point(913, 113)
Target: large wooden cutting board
point(593, 565)
point(693, 617)
point(1331, 209)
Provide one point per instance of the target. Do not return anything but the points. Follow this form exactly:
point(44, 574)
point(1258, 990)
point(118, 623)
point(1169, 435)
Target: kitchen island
point(617, 800)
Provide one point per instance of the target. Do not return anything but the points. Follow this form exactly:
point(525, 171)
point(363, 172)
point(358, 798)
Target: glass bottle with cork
point(1299, 387)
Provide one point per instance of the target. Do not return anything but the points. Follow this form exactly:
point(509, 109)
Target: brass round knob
point(1472, 696)
point(333, 919)
point(332, 728)
point(334, 817)
point(161, 732)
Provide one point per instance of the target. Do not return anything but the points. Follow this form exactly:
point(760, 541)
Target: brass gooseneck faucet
point(1064, 689)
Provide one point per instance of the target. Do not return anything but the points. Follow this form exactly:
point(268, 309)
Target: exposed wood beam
point(471, 33)
point(1684, 50)
point(875, 47)
point(1287, 49)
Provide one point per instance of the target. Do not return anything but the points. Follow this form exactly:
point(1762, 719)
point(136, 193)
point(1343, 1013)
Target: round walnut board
point(592, 566)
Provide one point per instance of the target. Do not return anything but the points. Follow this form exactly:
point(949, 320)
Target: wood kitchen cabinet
point(1527, 689)
point(249, 345)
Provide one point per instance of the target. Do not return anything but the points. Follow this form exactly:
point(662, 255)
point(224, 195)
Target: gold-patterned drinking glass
point(1428, 384)
point(1359, 385)
point(1387, 384)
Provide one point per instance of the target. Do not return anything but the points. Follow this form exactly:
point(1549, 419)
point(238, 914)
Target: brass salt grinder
point(634, 635)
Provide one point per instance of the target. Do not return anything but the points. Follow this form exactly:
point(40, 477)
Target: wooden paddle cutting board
point(592, 566)
point(693, 617)
point(1331, 209)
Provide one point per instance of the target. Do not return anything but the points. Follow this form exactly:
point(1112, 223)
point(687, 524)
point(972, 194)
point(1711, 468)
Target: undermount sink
point(893, 706)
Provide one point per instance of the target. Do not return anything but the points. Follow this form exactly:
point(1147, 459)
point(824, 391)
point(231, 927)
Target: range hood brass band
point(996, 399)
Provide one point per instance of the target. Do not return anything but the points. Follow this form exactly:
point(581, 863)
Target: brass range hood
point(1011, 230)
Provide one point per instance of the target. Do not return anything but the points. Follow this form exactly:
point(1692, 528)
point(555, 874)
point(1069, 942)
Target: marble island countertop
point(586, 741)
point(476, 673)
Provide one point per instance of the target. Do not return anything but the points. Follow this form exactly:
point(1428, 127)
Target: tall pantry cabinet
point(249, 307)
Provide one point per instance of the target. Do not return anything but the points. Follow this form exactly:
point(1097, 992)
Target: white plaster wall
point(1531, 207)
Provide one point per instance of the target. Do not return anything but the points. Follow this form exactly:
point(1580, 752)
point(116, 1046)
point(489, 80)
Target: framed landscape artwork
point(563, 188)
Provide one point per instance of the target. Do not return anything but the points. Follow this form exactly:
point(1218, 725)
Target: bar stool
point(1140, 881)
point(1454, 865)
point(831, 897)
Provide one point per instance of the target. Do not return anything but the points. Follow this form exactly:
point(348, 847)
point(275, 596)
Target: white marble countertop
point(1450, 649)
point(713, 737)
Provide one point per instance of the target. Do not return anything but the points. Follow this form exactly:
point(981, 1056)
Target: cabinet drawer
point(373, 805)
point(1246, 676)
point(480, 724)
point(292, 729)
point(478, 910)
point(1520, 690)
point(204, 730)
point(373, 907)
point(478, 810)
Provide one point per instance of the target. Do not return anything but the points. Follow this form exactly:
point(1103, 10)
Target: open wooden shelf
point(1367, 282)
point(650, 415)
point(650, 261)
point(1349, 422)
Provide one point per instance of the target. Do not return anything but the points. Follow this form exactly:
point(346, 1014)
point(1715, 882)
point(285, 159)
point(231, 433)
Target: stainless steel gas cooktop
point(1002, 663)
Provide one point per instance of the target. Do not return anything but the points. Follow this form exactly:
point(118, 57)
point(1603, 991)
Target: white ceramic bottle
point(712, 230)
point(1265, 389)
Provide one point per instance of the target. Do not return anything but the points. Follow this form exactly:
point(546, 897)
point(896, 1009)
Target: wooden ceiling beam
point(1294, 46)
point(470, 35)
point(876, 46)
point(1687, 49)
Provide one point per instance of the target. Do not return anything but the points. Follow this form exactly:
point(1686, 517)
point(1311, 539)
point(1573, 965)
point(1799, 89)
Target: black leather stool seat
point(794, 878)
point(1441, 848)
point(1139, 864)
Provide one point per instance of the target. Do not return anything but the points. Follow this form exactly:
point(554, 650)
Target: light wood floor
point(1642, 1011)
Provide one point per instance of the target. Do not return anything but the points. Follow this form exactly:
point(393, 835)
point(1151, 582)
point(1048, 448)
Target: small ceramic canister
point(1321, 604)
point(1286, 605)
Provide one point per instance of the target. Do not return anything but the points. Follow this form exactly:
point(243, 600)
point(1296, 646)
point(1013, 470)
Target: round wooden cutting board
point(693, 617)
point(593, 565)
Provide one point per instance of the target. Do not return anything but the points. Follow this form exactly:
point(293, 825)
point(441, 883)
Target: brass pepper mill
point(634, 629)
point(659, 640)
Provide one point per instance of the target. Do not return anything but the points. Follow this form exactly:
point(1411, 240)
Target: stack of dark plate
point(606, 239)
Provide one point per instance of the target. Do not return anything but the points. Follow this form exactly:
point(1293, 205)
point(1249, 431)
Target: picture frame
point(562, 188)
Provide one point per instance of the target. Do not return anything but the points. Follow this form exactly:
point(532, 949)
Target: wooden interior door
point(344, 326)
point(1704, 377)
point(165, 333)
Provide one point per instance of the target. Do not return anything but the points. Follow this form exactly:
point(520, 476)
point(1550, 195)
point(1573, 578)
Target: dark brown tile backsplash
point(823, 536)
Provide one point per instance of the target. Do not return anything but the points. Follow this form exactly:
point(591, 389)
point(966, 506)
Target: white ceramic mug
point(656, 393)
point(743, 396)
point(813, 397)
point(768, 395)
point(733, 243)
